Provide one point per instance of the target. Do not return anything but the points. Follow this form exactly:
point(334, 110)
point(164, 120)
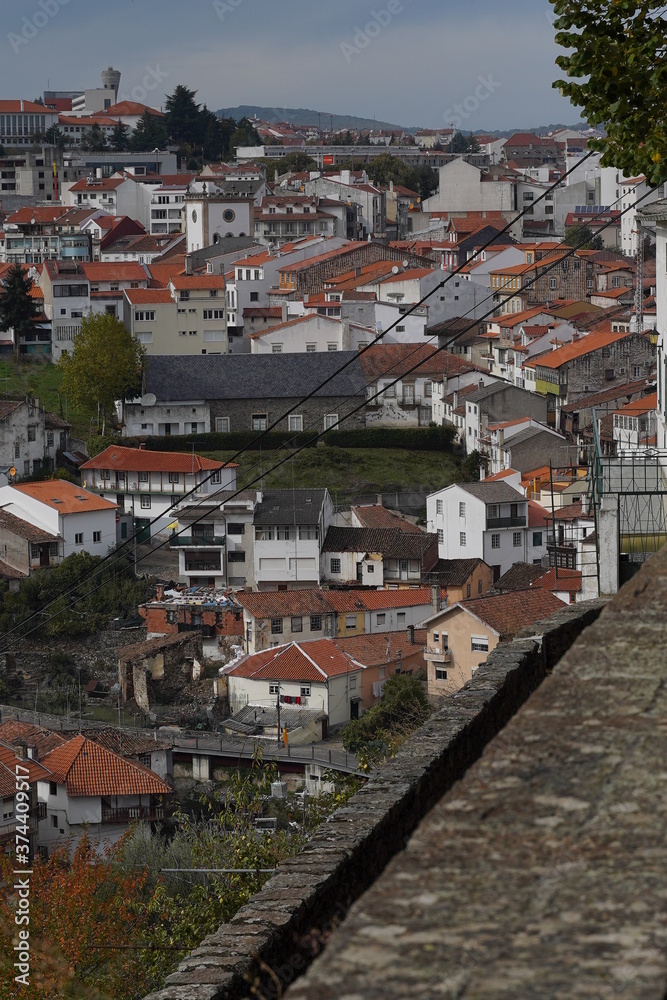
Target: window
point(400, 618)
point(145, 502)
point(143, 477)
point(236, 557)
point(295, 423)
point(440, 674)
point(370, 568)
point(462, 510)
point(54, 821)
point(495, 541)
point(380, 618)
point(332, 347)
point(53, 788)
point(31, 433)
point(330, 420)
point(26, 467)
point(235, 528)
point(441, 536)
point(468, 591)
point(479, 644)
point(353, 683)
point(276, 626)
point(492, 511)
point(636, 371)
point(350, 621)
point(216, 478)
point(222, 425)
point(436, 637)
point(258, 422)
point(479, 586)
point(462, 539)
point(297, 624)
point(97, 537)
point(78, 538)
point(311, 348)
point(439, 506)
point(316, 623)
point(276, 349)
point(274, 688)
point(537, 538)
point(428, 388)
point(305, 690)
point(516, 539)
point(174, 477)
point(334, 566)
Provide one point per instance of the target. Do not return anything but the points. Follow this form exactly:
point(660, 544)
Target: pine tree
point(17, 308)
point(184, 121)
point(149, 134)
point(94, 140)
point(120, 138)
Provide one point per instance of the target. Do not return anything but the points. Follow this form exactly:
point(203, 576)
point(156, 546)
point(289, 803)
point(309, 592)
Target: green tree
point(458, 143)
point(582, 237)
point(104, 366)
point(150, 134)
point(17, 308)
point(120, 137)
point(54, 137)
point(183, 117)
point(617, 73)
point(384, 728)
point(94, 140)
point(295, 163)
point(244, 135)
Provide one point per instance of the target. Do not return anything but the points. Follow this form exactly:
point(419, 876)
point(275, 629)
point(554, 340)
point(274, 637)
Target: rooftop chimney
point(159, 592)
point(411, 634)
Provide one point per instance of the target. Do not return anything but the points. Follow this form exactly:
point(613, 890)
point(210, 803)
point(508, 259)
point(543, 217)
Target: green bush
point(409, 438)
point(235, 441)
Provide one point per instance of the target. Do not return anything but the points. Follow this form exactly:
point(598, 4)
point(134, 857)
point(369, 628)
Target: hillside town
point(206, 326)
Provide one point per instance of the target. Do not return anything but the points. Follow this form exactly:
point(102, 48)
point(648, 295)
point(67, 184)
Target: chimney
point(346, 335)
point(285, 314)
point(585, 505)
point(33, 753)
point(435, 596)
point(188, 263)
point(159, 592)
point(21, 750)
point(411, 634)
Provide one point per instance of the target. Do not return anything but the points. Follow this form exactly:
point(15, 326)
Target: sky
point(477, 64)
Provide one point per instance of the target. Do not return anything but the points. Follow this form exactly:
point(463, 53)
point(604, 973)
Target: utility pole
point(278, 710)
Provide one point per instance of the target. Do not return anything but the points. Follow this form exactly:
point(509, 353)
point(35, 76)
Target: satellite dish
point(406, 263)
point(395, 269)
point(150, 399)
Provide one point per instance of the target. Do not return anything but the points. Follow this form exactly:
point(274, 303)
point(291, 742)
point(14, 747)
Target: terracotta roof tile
point(15, 731)
point(141, 460)
point(315, 661)
point(508, 613)
point(64, 497)
point(377, 516)
point(88, 769)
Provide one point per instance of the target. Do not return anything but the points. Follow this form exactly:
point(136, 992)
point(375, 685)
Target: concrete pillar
point(609, 544)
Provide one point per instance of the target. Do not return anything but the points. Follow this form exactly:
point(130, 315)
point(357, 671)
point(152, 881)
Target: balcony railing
point(132, 814)
point(194, 541)
point(443, 656)
point(506, 522)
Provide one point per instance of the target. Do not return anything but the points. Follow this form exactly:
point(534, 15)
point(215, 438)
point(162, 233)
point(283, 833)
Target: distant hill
point(301, 116)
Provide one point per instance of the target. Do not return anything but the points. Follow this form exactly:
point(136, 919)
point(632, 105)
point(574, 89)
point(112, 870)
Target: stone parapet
point(273, 939)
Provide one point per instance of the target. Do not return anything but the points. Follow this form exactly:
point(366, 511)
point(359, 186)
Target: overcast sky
point(410, 62)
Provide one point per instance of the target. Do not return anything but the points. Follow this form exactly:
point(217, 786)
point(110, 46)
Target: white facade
point(92, 531)
point(468, 527)
point(165, 419)
point(332, 695)
point(208, 217)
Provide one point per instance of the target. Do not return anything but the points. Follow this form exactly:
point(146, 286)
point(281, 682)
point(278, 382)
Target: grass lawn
point(348, 472)
point(40, 379)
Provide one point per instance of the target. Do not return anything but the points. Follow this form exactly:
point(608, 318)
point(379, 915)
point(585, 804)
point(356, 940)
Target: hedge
point(407, 438)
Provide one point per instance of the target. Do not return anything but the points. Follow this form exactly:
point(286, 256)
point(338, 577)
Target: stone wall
point(313, 410)
point(274, 937)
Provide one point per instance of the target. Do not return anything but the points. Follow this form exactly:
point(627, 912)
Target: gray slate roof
point(254, 376)
point(493, 492)
point(391, 542)
point(288, 507)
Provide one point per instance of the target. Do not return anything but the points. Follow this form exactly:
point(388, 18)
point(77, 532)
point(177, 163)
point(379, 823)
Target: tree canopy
point(582, 237)
point(149, 134)
point(17, 308)
point(382, 729)
point(105, 365)
point(617, 73)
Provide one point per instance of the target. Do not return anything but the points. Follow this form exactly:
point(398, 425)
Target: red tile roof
point(182, 282)
point(131, 108)
point(377, 600)
point(36, 215)
point(280, 604)
point(115, 271)
point(148, 296)
point(561, 580)
point(64, 497)
point(376, 516)
point(506, 614)
point(141, 460)
point(639, 406)
point(576, 349)
point(381, 647)
point(316, 661)
point(393, 360)
point(8, 762)
point(14, 731)
point(88, 769)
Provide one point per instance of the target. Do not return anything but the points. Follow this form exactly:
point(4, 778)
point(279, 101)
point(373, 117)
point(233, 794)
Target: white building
point(189, 316)
point(290, 527)
point(149, 484)
point(95, 792)
point(315, 675)
point(635, 425)
point(486, 520)
point(85, 522)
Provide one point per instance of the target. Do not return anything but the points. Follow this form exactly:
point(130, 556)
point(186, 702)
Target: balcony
point(506, 522)
point(132, 814)
point(194, 541)
point(435, 653)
